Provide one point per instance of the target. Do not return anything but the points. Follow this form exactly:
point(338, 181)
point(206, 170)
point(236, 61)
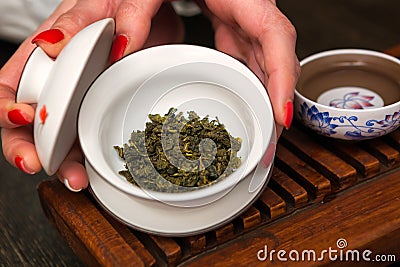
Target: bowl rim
point(354, 51)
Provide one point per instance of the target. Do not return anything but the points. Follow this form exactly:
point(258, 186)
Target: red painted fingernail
point(51, 36)
point(17, 117)
point(118, 48)
point(19, 162)
point(288, 114)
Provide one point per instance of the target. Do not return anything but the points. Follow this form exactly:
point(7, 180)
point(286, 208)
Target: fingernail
point(118, 48)
point(66, 183)
point(17, 117)
point(288, 114)
point(51, 36)
point(19, 162)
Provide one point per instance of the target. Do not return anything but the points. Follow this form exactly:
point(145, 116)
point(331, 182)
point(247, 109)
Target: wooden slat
point(330, 165)
point(394, 139)
point(250, 218)
point(351, 152)
point(315, 183)
point(288, 188)
point(224, 233)
point(387, 154)
point(170, 251)
point(275, 206)
point(79, 248)
point(131, 240)
point(195, 244)
point(77, 215)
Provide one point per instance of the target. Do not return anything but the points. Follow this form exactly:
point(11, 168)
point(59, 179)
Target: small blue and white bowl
point(349, 94)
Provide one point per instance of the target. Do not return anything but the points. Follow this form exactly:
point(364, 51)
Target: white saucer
point(162, 219)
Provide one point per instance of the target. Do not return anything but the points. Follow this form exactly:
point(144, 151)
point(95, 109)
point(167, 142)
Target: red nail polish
point(118, 48)
point(19, 162)
point(288, 114)
point(51, 36)
point(16, 117)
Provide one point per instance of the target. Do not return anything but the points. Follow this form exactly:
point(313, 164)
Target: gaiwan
point(101, 105)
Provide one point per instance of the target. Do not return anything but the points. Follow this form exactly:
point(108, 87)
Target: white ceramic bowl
point(350, 94)
point(185, 77)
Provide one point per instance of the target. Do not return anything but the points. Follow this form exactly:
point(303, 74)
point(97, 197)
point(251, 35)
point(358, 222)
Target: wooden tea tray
point(321, 190)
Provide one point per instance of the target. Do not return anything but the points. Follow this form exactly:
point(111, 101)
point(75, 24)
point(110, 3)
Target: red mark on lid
point(43, 114)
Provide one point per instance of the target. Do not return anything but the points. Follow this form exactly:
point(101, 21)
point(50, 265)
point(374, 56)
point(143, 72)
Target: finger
point(276, 56)
point(276, 38)
point(279, 130)
point(281, 68)
point(133, 23)
point(226, 41)
point(166, 27)
point(80, 15)
point(19, 149)
point(12, 114)
point(71, 172)
point(253, 64)
point(10, 73)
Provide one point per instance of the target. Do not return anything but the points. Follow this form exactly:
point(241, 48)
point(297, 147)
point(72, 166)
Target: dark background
point(26, 236)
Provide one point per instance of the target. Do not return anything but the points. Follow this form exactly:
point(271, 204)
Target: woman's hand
point(138, 24)
point(253, 31)
point(258, 34)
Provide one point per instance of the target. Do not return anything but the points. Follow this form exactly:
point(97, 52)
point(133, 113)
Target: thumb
point(80, 15)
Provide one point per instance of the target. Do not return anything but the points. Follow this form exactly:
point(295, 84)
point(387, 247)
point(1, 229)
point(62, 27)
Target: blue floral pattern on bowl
point(327, 125)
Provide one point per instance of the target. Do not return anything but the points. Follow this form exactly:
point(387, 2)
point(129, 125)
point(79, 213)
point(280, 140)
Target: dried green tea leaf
point(174, 152)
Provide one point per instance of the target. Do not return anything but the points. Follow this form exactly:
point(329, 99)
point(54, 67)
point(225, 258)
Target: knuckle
point(69, 21)
point(290, 29)
point(129, 8)
point(274, 20)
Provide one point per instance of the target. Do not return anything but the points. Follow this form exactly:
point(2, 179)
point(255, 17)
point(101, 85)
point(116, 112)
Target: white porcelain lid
point(58, 87)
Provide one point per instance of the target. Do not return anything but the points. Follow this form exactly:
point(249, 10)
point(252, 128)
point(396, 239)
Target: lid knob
point(34, 77)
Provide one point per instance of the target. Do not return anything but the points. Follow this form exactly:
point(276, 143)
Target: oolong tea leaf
point(175, 153)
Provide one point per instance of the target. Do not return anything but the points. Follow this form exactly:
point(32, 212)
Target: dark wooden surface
point(28, 239)
point(317, 195)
